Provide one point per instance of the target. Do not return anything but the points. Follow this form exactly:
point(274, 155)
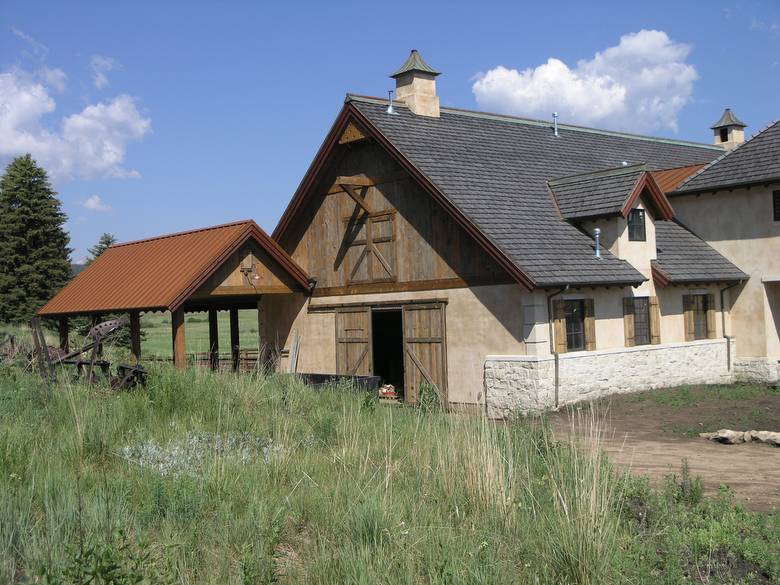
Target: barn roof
point(494, 169)
point(755, 161)
point(161, 273)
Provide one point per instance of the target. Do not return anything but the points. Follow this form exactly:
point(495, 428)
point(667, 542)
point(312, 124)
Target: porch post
point(260, 334)
point(213, 340)
point(234, 341)
point(177, 334)
point(135, 336)
point(63, 328)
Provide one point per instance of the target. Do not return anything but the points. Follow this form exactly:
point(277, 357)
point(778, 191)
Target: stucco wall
point(518, 384)
point(739, 224)
point(480, 320)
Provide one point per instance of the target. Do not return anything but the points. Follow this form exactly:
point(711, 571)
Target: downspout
point(556, 355)
point(723, 321)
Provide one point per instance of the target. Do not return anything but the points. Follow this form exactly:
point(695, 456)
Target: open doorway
point(388, 346)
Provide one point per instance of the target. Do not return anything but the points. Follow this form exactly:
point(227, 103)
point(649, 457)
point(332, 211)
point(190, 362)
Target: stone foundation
point(518, 384)
point(762, 370)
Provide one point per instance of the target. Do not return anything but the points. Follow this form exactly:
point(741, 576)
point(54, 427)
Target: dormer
point(623, 203)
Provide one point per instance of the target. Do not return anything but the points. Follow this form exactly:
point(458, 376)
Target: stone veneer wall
point(757, 370)
point(517, 384)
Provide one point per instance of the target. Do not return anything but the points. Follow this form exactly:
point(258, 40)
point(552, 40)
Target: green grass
point(208, 478)
point(157, 328)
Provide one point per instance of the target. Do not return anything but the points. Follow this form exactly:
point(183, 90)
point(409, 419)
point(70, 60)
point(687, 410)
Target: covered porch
point(228, 268)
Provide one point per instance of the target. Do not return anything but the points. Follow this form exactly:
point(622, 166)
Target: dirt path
point(652, 433)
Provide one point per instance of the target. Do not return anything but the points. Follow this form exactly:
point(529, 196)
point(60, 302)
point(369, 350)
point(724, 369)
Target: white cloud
point(88, 144)
point(39, 49)
point(764, 26)
point(640, 85)
point(101, 66)
point(53, 78)
point(95, 203)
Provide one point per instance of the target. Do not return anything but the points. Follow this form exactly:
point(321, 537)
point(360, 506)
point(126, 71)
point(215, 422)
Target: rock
point(728, 437)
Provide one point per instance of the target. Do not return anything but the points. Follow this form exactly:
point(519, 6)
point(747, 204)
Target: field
point(157, 332)
point(214, 478)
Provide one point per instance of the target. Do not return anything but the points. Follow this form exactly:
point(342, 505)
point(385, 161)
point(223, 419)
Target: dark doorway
point(388, 343)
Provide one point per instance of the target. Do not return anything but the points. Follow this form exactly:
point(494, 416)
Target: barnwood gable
point(365, 219)
point(368, 226)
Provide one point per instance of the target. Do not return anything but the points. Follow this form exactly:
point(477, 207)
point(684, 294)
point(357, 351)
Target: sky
point(154, 117)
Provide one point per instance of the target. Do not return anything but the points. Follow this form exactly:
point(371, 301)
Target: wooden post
point(234, 340)
point(135, 336)
point(260, 335)
point(213, 340)
point(95, 321)
point(64, 345)
point(177, 333)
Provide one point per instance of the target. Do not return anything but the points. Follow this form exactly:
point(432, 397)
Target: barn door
point(353, 341)
point(425, 350)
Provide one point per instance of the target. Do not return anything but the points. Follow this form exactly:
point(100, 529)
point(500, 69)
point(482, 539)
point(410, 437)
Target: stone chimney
point(729, 131)
point(415, 85)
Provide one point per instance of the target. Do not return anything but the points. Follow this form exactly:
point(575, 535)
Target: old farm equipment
point(92, 368)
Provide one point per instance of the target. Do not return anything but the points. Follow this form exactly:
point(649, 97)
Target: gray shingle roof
point(495, 170)
point(601, 193)
point(684, 257)
point(728, 119)
point(754, 161)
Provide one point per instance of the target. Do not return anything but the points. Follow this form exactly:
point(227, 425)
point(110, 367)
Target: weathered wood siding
point(228, 280)
point(414, 243)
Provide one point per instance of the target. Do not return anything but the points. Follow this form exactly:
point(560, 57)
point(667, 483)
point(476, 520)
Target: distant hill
point(76, 268)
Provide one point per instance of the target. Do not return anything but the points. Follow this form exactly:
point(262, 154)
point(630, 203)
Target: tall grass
point(204, 478)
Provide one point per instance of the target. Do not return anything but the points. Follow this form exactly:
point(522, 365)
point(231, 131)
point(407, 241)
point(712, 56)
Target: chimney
point(729, 131)
point(415, 85)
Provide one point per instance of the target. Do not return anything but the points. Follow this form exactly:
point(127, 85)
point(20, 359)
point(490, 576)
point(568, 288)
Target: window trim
point(633, 225)
point(699, 309)
point(560, 335)
point(581, 322)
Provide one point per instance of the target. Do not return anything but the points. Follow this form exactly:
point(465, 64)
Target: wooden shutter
point(655, 321)
point(628, 321)
point(353, 341)
point(690, 325)
point(711, 329)
point(559, 325)
point(590, 325)
point(425, 350)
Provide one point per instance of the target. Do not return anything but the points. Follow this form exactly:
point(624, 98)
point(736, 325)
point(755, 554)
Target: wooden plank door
point(353, 341)
point(425, 350)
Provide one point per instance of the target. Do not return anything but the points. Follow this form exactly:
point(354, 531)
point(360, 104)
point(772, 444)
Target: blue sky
point(155, 117)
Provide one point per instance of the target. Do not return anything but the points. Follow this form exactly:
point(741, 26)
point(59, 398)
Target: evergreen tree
point(106, 241)
point(34, 249)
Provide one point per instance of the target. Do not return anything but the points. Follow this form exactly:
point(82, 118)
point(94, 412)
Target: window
point(641, 321)
point(724, 134)
point(636, 225)
point(776, 205)
point(700, 316)
point(699, 312)
point(575, 325)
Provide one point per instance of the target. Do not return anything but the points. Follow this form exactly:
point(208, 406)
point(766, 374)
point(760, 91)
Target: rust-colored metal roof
point(669, 179)
point(162, 272)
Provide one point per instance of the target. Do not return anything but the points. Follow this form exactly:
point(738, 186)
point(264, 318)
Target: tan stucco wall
point(480, 320)
point(739, 225)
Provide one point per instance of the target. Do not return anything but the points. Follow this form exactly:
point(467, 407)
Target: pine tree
point(106, 241)
point(34, 249)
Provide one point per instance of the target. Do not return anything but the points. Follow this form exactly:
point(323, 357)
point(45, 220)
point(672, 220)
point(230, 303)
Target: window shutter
point(690, 333)
point(628, 320)
point(559, 326)
point(711, 329)
point(655, 321)
point(590, 326)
